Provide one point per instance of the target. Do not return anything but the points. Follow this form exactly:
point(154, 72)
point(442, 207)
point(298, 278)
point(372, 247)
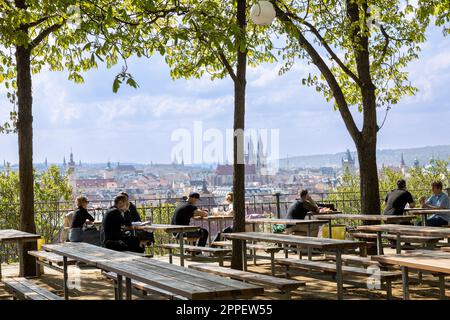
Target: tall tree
point(213, 39)
point(72, 35)
point(360, 49)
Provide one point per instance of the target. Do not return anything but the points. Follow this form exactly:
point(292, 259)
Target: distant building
point(348, 162)
point(224, 174)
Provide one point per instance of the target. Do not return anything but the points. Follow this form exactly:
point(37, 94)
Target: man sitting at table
point(397, 199)
point(183, 214)
point(112, 236)
point(132, 215)
point(298, 210)
point(439, 200)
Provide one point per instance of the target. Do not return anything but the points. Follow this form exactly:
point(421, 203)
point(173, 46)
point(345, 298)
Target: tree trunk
point(238, 142)
point(25, 135)
point(368, 171)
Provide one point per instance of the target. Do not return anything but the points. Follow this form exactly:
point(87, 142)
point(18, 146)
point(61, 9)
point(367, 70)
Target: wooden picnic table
point(424, 212)
point(362, 217)
point(435, 261)
point(170, 228)
point(325, 244)
point(404, 230)
point(182, 281)
point(218, 218)
point(296, 222)
point(17, 236)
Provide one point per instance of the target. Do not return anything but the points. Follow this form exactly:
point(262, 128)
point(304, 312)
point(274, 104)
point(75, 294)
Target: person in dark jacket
point(80, 218)
point(132, 215)
point(112, 236)
point(298, 210)
point(183, 214)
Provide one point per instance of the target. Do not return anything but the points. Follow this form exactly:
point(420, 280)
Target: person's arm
point(427, 205)
point(410, 201)
point(311, 205)
point(200, 213)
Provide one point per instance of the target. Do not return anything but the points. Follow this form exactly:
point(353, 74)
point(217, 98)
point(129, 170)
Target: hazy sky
point(135, 125)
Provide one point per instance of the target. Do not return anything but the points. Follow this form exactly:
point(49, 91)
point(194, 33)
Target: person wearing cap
point(132, 215)
point(112, 236)
point(183, 214)
point(80, 218)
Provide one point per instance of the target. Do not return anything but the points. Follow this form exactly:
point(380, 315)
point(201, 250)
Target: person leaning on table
point(298, 210)
point(439, 200)
point(79, 219)
point(183, 214)
point(112, 236)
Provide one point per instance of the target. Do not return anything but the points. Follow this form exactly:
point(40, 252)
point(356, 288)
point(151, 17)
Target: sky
point(136, 125)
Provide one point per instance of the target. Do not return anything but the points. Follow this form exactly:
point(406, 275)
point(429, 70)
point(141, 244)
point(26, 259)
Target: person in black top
point(397, 199)
point(298, 210)
point(112, 236)
point(183, 214)
point(79, 219)
point(132, 215)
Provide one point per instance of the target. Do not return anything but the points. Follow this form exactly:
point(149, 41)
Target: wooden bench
point(144, 288)
point(218, 253)
point(24, 289)
point(49, 259)
point(429, 242)
point(284, 285)
point(354, 260)
point(385, 277)
point(253, 247)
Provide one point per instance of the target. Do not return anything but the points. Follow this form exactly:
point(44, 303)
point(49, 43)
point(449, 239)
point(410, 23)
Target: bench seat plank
point(261, 279)
point(329, 267)
point(24, 288)
point(404, 238)
point(50, 257)
point(197, 248)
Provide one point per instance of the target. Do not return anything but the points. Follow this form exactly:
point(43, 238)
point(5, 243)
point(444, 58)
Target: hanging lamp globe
point(262, 13)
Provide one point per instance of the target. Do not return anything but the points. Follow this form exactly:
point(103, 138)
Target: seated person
point(80, 218)
point(298, 210)
point(132, 215)
point(229, 211)
point(397, 199)
point(112, 236)
point(183, 214)
point(439, 200)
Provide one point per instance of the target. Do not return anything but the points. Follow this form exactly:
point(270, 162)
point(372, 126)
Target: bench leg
point(65, 279)
point(182, 249)
point(272, 263)
point(420, 275)
point(286, 254)
point(442, 287)
point(128, 288)
point(287, 272)
point(170, 256)
point(119, 287)
point(287, 295)
point(254, 257)
point(116, 294)
point(221, 260)
point(379, 244)
point(398, 245)
point(244, 255)
point(339, 282)
point(388, 290)
point(405, 279)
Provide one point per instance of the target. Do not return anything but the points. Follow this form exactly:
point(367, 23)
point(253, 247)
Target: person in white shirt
point(229, 211)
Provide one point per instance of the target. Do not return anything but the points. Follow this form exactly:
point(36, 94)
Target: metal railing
point(50, 215)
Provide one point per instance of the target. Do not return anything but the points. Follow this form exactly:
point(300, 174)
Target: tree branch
point(44, 33)
point(326, 72)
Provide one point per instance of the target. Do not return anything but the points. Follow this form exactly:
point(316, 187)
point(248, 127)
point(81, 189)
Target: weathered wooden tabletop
point(427, 260)
point(365, 217)
point(408, 230)
point(186, 282)
point(284, 221)
point(11, 235)
point(300, 241)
